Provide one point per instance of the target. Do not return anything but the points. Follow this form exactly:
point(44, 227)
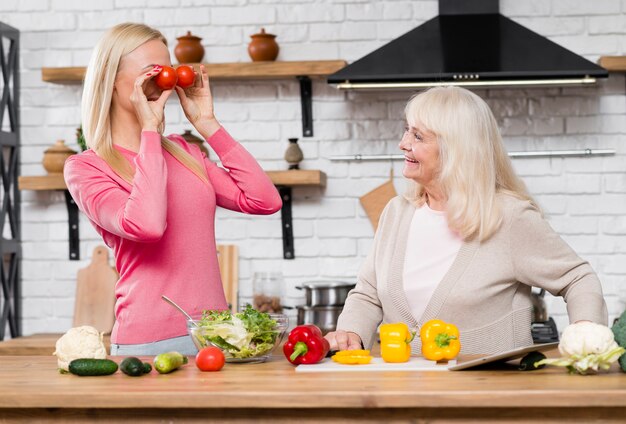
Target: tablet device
point(503, 356)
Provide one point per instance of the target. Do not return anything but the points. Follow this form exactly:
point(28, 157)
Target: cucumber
point(134, 367)
point(167, 362)
point(91, 367)
point(527, 363)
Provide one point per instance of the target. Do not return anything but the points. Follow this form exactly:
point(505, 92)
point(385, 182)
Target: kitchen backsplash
point(584, 198)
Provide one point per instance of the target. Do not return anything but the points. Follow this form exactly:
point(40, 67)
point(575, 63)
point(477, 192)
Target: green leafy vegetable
point(619, 330)
point(242, 335)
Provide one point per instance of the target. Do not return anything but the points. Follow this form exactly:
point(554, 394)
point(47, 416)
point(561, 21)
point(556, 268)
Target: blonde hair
point(474, 168)
point(98, 91)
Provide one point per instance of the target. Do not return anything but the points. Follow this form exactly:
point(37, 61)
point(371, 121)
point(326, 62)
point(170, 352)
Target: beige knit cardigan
point(486, 291)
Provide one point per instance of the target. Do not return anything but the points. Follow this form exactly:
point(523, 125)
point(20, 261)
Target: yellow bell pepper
point(395, 342)
point(440, 340)
point(352, 357)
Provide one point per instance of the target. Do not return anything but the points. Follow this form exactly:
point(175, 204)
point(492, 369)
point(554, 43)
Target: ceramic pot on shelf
point(263, 47)
point(55, 156)
point(189, 49)
point(293, 154)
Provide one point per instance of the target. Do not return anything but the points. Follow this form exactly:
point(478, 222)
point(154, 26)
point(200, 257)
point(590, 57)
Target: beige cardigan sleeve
point(542, 259)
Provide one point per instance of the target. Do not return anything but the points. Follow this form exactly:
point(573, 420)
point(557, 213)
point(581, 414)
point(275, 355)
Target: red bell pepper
point(305, 345)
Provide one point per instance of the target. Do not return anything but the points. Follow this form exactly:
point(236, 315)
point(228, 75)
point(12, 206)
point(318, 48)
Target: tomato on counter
point(210, 359)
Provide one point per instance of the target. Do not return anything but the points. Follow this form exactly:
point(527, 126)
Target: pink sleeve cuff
point(150, 142)
point(221, 142)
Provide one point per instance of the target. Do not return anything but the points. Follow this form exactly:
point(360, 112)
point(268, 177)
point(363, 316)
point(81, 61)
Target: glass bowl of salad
point(246, 336)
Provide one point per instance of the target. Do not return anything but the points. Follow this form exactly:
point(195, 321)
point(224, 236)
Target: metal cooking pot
point(325, 317)
point(326, 293)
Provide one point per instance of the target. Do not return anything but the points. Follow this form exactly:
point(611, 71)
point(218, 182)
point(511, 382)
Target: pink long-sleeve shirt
point(162, 227)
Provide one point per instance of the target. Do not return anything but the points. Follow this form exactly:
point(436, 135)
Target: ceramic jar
point(293, 154)
point(190, 138)
point(54, 157)
point(263, 47)
point(189, 49)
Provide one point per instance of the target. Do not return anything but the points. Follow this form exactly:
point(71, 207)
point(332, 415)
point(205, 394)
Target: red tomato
point(210, 359)
point(166, 80)
point(186, 76)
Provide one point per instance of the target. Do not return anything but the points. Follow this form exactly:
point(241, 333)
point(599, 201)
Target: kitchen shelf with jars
point(303, 71)
point(283, 180)
point(263, 51)
point(55, 157)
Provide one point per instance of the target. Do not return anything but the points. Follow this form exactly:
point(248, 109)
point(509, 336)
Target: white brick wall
point(584, 198)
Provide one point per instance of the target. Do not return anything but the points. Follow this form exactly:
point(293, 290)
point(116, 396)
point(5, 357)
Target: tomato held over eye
point(210, 359)
point(166, 79)
point(186, 76)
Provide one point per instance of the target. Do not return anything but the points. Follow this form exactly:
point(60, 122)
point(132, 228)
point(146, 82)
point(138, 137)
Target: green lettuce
point(243, 335)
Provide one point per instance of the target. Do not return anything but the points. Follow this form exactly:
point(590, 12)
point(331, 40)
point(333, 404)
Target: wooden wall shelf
point(283, 180)
point(613, 63)
point(292, 178)
point(298, 177)
point(43, 182)
point(224, 71)
point(303, 71)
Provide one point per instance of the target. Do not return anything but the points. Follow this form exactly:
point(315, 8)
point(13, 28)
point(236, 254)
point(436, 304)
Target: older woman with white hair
point(153, 198)
point(467, 243)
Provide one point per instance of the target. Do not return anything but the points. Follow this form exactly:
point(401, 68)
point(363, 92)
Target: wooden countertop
point(36, 344)
point(29, 383)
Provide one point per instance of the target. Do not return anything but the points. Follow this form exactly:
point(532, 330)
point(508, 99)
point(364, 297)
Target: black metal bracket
point(72, 217)
point(306, 100)
point(287, 222)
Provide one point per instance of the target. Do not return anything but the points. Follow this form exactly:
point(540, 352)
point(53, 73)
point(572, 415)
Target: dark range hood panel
point(468, 47)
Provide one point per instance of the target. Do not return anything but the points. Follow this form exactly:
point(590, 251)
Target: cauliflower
point(585, 347)
point(79, 342)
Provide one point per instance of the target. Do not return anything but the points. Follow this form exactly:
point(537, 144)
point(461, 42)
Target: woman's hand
point(149, 113)
point(343, 340)
point(197, 103)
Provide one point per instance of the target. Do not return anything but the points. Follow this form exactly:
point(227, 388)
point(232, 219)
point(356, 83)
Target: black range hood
point(469, 44)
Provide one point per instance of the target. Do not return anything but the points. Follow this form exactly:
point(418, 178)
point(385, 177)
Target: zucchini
point(134, 367)
point(527, 363)
point(92, 367)
point(167, 362)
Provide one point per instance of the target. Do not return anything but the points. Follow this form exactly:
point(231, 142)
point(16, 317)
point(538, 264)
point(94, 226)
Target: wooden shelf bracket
point(306, 101)
point(286, 219)
point(72, 218)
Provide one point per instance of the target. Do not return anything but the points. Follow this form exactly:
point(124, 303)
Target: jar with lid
point(268, 288)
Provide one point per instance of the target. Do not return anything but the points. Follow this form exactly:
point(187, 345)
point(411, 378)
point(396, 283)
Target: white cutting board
point(377, 364)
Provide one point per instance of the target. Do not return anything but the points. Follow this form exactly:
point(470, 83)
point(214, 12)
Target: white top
point(430, 250)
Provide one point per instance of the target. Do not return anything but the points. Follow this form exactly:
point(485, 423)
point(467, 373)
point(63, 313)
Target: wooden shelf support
point(72, 219)
point(283, 180)
point(56, 182)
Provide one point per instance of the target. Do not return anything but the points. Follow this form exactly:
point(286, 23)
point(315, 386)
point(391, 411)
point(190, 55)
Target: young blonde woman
point(153, 198)
point(468, 242)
